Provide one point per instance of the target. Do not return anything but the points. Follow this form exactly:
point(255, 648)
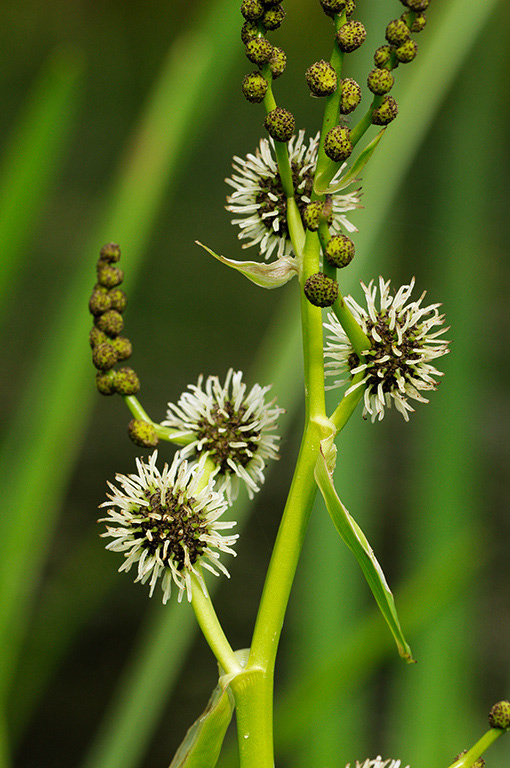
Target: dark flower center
point(396, 363)
point(173, 522)
point(272, 186)
point(217, 437)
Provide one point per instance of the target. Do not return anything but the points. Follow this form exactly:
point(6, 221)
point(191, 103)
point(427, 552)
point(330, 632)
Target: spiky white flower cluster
point(398, 364)
point(232, 426)
point(259, 200)
point(167, 525)
point(377, 762)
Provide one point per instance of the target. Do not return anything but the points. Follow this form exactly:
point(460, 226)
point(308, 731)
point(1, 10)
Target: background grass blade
point(33, 158)
point(32, 455)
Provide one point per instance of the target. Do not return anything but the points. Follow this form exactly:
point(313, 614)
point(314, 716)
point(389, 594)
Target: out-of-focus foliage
point(71, 622)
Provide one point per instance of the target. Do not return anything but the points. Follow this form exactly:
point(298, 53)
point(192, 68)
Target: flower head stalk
point(397, 366)
point(167, 524)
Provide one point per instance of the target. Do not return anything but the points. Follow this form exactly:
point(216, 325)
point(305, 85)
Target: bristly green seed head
point(339, 251)
point(332, 7)
point(142, 433)
point(99, 302)
point(259, 50)
point(312, 213)
point(105, 382)
point(416, 5)
point(380, 81)
point(321, 290)
point(386, 112)
point(407, 51)
point(397, 32)
point(273, 18)
point(249, 31)
point(118, 299)
point(280, 124)
point(104, 356)
point(254, 87)
point(499, 716)
point(126, 382)
point(337, 144)
point(382, 56)
point(420, 20)
point(351, 36)
point(97, 337)
point(277, 62)
point(351, 96)
point(110, 322)
point(252, 9)
point(110, 252)
point(109, 276)
point(122, 347)
point(321, 78)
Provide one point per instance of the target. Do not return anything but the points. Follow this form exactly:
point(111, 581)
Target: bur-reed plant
point(291, 199)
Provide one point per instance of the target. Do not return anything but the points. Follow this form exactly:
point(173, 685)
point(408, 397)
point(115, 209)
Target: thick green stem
point(253, 693)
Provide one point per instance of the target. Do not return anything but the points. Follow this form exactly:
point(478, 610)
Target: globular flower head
point(232, 426)
point(260, 203)
point(404, 342)
point(377, 762)
point(165, 526)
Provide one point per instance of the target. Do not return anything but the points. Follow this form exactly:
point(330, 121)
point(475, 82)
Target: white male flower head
point(259, 201)
point(398, 364)
point(167, 525)
point(377, 762)
point(232, 426)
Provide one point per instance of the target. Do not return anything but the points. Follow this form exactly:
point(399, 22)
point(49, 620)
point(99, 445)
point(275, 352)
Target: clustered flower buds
point(499, 716)
point(351, 36)
point(337, 144)
point(321, 78)
point(321, 290)
point(262, 16)
point(400, 49)
point(339, 251)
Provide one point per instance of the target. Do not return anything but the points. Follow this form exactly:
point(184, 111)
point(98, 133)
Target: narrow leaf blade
point(356, 540)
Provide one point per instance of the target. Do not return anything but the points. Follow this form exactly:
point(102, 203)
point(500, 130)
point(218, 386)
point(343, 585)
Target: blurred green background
point(119, 122)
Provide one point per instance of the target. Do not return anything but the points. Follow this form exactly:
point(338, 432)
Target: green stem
point(352, 328)
point(211, 627)
point(253, 693)
point(164, 433)
point(472, 755)
point(348, 403)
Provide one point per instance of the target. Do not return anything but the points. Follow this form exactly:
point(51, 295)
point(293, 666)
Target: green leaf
point(271, 275)
point(203, 741)
point(356, 540)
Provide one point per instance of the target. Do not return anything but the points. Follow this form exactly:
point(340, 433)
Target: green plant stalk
point(254, 701)
point(211, 627)
point(348, 403)
point(355, 333)
point(472, 755)
point(164, 433)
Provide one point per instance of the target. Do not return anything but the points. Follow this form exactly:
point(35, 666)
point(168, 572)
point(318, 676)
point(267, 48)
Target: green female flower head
point(230, 425)
point(166, 525)
point(404, 342)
